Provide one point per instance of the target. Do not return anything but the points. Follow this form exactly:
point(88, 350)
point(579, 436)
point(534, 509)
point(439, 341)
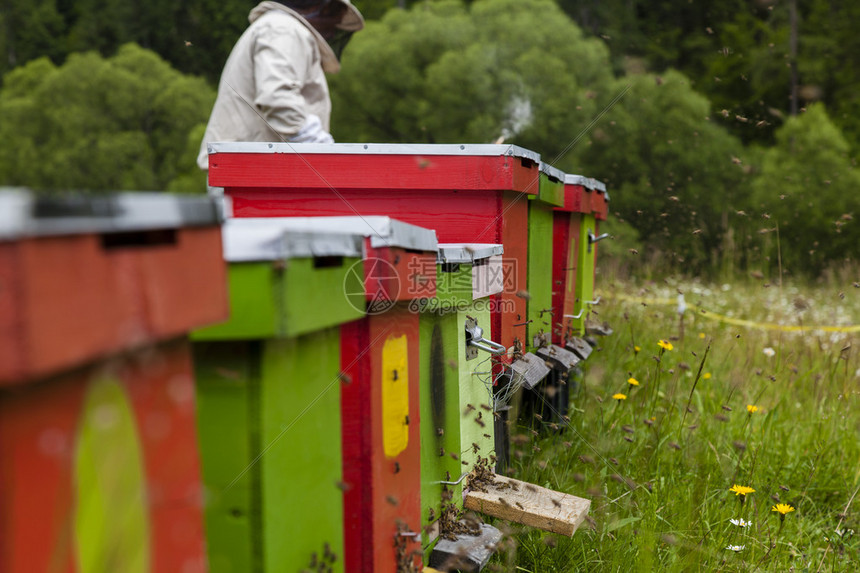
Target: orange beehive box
point(99, 467)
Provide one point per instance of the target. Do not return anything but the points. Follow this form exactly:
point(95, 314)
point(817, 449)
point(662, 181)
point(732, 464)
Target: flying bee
point(343, 486)
point(345, 378)
point(392, 500)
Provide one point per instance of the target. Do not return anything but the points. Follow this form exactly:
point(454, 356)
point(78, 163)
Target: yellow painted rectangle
point(395, 395)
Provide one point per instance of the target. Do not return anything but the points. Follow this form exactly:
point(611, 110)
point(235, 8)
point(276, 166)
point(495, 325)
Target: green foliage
point(658, 466)
point(99, 124)
point(442, 72)
point(807, 187)
point(673, 173)
point(195, 36)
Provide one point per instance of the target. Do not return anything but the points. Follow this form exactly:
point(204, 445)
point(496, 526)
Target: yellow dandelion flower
point(633, 381)
point(619, 396)
point(741, 489)
point(706, 376)
point(782, 508)
point(665, 345)
point(701, 335)
point(636, 350)
point(752, 409)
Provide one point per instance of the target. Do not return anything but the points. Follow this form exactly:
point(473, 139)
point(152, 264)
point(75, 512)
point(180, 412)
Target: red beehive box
point(575, 233)
point(99, 466)
point(466, 193)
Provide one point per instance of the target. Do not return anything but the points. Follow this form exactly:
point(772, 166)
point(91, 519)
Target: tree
point(442, 72)
point(673, 174)
point(806, 188)
point(99, 124)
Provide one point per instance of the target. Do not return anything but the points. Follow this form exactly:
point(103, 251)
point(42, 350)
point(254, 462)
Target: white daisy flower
point(740, 522)
point(736, 548)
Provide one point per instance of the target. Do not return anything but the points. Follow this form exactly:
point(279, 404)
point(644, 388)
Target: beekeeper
point(273, 86)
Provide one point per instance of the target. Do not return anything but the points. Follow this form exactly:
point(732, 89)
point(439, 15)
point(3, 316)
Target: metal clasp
point(475, 341)
point(593, 239)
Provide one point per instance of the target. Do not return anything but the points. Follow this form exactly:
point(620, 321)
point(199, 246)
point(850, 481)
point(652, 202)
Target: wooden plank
point(440, 407)
point(300, 433)
point(539, 303)
point(225, 374)
point(384, 491)
point(160, 387)
point(456, 216)
point(562, 273)
point(584, 275)
point(528, 504)
point(510, 316)
point(78, 300)
point(475, 411)
point(327, 171)
point(551, 191)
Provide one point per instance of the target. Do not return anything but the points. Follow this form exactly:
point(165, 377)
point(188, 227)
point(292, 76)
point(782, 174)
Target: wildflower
point(665, 344)
point(706, 376)
point(740, 522)
point(633, 381)
point(619, 396)
point(752, 409)
point(782, 509)
point(769, 352)
point(741, 490)
point(636, 350)
point(701, 335)
point(736, 548)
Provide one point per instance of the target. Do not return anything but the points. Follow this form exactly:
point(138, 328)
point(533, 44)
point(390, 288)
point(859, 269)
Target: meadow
point(726, 441)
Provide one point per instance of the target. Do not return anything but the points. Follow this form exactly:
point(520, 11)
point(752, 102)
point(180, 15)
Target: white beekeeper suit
point(273, 86)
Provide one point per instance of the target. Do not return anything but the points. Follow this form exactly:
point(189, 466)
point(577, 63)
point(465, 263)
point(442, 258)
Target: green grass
point(658, 466)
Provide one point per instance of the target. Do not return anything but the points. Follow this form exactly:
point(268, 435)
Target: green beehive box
point(550, 195)
point(268, 391)
point(456, 402)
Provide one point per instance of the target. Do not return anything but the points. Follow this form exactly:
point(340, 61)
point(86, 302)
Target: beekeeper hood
point(335, 20)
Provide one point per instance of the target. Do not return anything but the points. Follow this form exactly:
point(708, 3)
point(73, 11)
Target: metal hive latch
point(475, 341)
point(594, 239)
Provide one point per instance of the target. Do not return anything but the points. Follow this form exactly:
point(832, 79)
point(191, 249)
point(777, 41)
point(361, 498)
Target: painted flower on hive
point(665, 344)
point(619, 396)
point(752, 409)
point(633, 381)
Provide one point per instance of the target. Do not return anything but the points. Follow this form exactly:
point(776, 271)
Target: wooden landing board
point(530, 505)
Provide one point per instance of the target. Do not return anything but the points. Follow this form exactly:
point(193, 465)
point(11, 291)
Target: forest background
point(727, 132)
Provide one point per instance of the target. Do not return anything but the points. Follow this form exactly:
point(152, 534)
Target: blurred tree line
point(727, 132)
